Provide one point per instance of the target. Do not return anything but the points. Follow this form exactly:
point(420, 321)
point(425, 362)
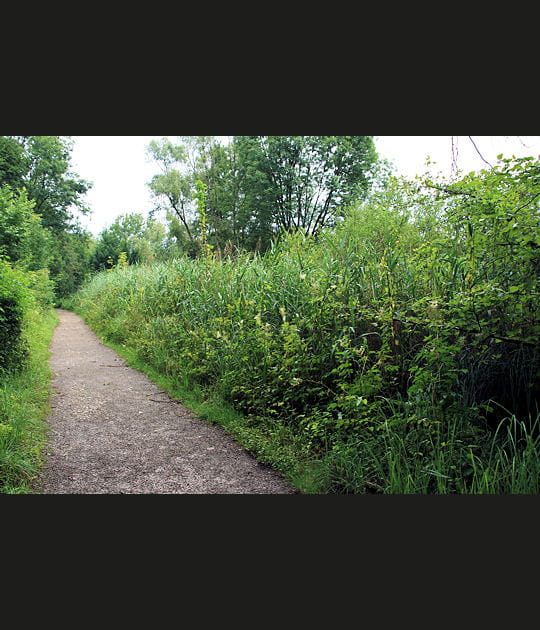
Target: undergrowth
point(24, 402)
point(394, 353)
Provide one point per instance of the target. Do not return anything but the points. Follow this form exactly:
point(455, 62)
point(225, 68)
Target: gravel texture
point(113, 431)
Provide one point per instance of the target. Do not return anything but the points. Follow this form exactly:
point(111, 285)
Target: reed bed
point(375, 350)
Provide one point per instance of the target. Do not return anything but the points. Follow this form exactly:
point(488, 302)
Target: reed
point(376, 347)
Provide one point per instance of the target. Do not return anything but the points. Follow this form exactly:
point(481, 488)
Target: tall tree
point(13, 165)
point(195, 159)
point(56, 190)
point(256, 194)
point(257, 186)
point(40, 197)
point(215, 168)
point(173, 188)
point(302, 182)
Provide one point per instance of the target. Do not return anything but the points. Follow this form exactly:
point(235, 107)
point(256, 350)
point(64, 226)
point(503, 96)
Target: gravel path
point(113, 431)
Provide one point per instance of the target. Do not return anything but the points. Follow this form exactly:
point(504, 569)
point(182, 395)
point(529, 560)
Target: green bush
point(384, 344)
point(23, 239)
point(16, 298)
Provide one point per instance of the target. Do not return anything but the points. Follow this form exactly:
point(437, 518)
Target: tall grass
point(24, 397)
point(369, 351)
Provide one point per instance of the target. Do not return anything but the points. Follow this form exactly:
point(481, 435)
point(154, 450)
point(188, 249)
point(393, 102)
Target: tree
point(13, 165)
point(39, 198)
point(215, 168)
point(257, 186)
point(56, 190)
point(70, 260)
point(196, 159)
point(23, 240)
point(139, 239)
point(151, 243)
point(301, 182)
point(256, 195)
point(172, 189)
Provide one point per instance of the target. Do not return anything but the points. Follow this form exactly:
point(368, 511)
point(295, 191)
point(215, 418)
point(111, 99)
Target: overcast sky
point(120, 170)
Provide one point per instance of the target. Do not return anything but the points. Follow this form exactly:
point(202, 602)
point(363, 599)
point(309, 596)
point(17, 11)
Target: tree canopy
point(40, 200)
point(139, 239)
point(304, 182)
point(41, 165)
point(259, 186)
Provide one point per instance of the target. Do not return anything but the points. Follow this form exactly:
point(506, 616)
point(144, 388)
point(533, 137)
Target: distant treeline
point(210, 195)
point(241, 194)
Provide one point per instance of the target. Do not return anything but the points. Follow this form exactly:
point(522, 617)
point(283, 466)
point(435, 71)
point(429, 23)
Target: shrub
point(15, 300)
point(384, 344)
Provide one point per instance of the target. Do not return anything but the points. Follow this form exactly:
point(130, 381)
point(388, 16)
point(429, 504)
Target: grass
point(505, 462)
point(399, 458)
point(363, 360)
point(24, 403)
point(512, 465)
point(233, 341)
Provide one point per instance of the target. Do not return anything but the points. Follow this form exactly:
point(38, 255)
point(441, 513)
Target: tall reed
point(375, 345)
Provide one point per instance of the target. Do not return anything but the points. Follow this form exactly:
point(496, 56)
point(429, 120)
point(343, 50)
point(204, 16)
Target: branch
point(510, 340)
point(483, 158)
point(450, 191)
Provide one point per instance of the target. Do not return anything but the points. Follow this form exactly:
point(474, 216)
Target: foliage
point(303, 182)
point(201, 198)
point(172, 185)
point(44, 168)
point(24, 399)
point(16, 300)
point(138, 238)
point(69, 264)
point(22, 238)
point(39, 196)
point(396, 346)
point(486, 283)
point(21, 294)
point(257, 186)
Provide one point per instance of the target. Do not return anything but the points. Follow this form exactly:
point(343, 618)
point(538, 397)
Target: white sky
point(120, 170)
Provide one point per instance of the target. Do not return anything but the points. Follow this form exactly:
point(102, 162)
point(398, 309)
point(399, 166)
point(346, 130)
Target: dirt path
point(113, 431)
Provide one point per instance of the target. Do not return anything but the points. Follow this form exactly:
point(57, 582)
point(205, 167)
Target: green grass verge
point(24, 403)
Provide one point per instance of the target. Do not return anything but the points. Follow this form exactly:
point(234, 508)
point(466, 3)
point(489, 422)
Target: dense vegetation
point(257, 186)
point(395, 351)
point(26, 325)
point(365, 333)
point(24, 401)
point(43, 256)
